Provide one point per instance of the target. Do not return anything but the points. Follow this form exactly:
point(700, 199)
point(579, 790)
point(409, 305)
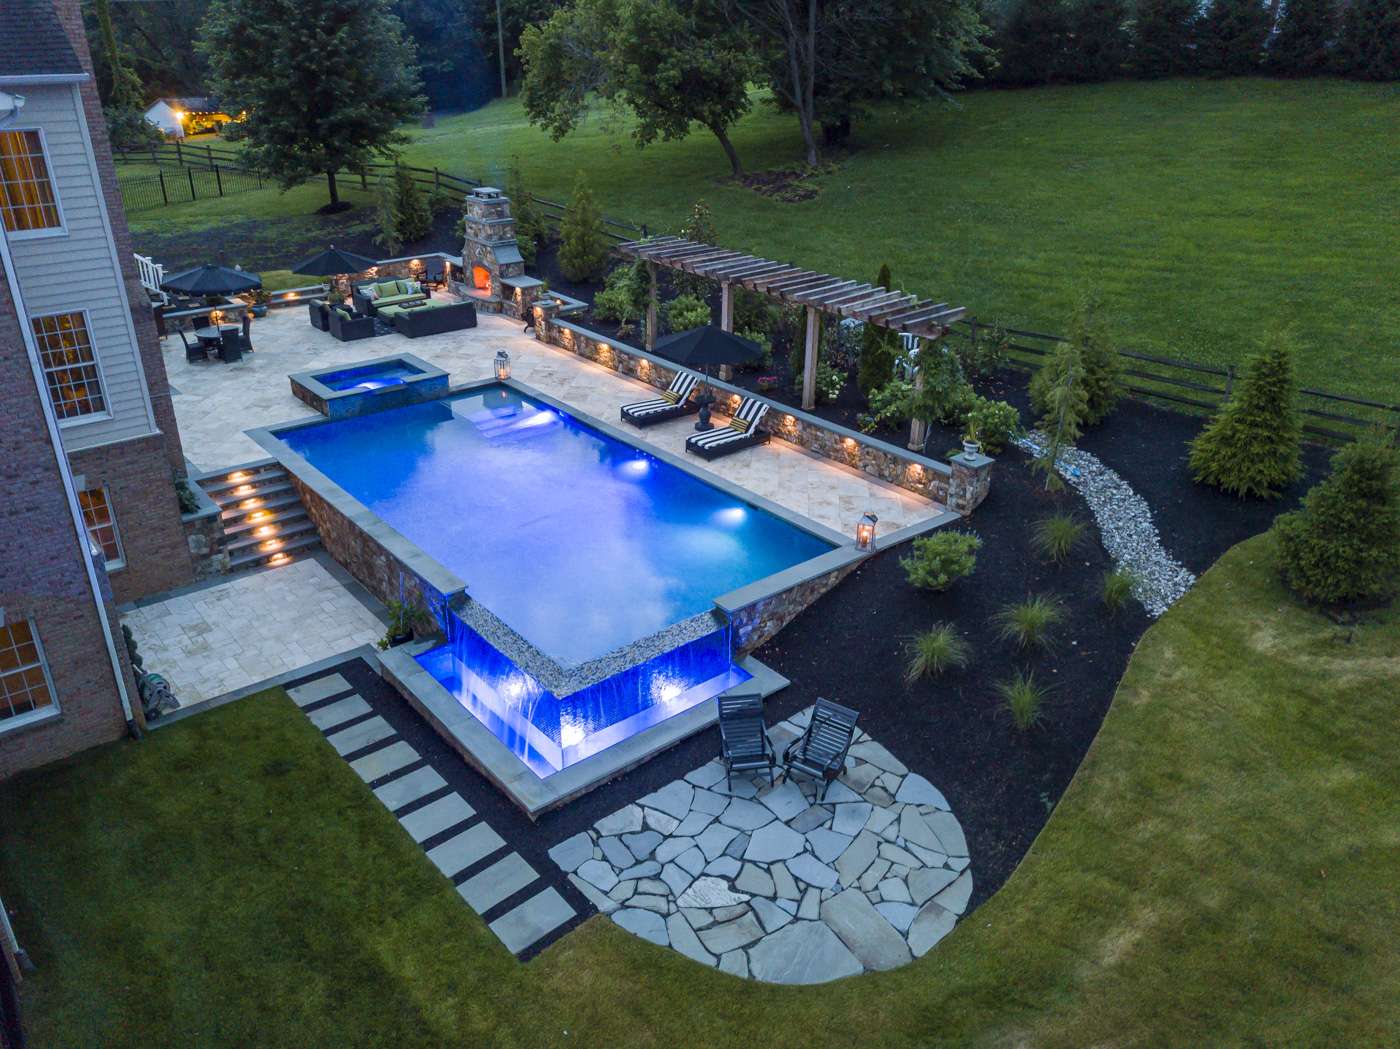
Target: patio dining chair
point(194, 351)
point(435, 272)
point(744, 744)
point(820, 752)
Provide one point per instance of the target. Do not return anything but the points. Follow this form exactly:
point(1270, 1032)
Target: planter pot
point(971, 448)
point(258, 311)
point(400, 639)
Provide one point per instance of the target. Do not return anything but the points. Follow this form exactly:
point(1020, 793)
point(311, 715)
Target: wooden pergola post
point(726, 321)
point(651, 307)
point(918, 429)
point(809, 360)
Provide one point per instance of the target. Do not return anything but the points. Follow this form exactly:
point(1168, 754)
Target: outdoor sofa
point(347, 326)
point(372, 297)
point(317, 310)
point(431, 318)
point(672, 404)
point(739, 433)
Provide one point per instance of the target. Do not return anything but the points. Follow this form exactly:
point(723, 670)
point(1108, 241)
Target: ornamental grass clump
point(1030, 624)
point(1024, 700)
point(1058, 536)
point(1344, 544)
point(934, 651)
point(1118, 586)
point(1253, 445)
point(941, 559)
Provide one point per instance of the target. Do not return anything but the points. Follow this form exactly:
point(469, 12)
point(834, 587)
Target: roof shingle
point(32, 40)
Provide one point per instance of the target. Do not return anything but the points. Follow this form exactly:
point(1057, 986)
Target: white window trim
point(120, 561)
point(52, 710)
point(91, 417)
point(61, 230)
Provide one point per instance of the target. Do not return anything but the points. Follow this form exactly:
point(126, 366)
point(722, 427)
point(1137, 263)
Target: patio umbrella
point(333, 263)
point(212, 280)
point(704, 348)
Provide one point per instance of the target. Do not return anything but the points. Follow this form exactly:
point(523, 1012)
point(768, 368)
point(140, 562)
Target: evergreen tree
point(386, 216)
point(121, 87)
point(1102, 367)
point(1344, 544)
point(1251, 447)
point(1307, 31)
point(879, 348)
point(583, 246)
point(1230, 37)
point(531, 230)
point(415, 212)
point(1163, 43)
point(699, 226)
point(1101, 44)
point(1369, 48)
point(326, 84)
point(1034, 43)
point(1065, 404)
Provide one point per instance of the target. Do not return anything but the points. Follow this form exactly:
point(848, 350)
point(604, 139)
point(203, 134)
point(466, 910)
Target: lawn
point(1203, 210)
point(1220, 872)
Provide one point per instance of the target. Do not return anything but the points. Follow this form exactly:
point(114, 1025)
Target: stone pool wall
point(754, 619)
point(959, 485)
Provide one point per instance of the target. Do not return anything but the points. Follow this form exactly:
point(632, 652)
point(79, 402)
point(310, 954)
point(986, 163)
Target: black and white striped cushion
point(751, 411)
point(648, 407)
point(682, 384)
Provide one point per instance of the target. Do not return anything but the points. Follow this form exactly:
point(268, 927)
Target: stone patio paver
point(347, 709)
point(436, 817)
point(321, 688)
point(357, 737)
point(381, 762)
point(460, 851)
point(407, 789)
point(215, 402)
point(497, 882)
point(784, 895)
point(537, 916)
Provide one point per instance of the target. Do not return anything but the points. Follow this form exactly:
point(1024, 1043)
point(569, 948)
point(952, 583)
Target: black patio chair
point(317, 311)
point(247, 333)
point(194, 351)
point(435, 272)
point(231, 346)
point(820, 752)
point(744, 744)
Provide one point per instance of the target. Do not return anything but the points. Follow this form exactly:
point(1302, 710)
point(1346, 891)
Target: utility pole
point(501, 47)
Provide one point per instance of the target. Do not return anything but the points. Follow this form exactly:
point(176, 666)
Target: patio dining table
point(213, 334)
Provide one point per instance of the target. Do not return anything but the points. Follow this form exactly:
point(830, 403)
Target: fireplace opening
point(481, 278)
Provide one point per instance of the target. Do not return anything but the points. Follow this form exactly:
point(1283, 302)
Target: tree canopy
point(326, 91)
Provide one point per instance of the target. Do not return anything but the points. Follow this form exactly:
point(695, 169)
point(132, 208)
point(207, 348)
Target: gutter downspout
point(66, 473)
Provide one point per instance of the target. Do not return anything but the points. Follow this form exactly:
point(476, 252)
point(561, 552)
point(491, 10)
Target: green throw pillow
point(344, 313)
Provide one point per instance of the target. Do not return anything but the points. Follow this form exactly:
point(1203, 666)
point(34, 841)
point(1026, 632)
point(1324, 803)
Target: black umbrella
point(212, 280)
point(333, 263)
point(704, 348)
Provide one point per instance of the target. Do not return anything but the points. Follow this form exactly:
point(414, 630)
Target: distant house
point(178, 117)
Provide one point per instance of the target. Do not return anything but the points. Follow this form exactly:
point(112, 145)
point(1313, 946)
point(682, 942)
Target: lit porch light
point(865, 531)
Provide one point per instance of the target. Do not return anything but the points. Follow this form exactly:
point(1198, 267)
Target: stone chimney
point(489, 252)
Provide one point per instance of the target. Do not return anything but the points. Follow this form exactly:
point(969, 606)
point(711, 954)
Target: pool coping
point(498, 763)
point(559, 678)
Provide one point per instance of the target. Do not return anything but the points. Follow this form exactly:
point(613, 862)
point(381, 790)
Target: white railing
point(152, 275)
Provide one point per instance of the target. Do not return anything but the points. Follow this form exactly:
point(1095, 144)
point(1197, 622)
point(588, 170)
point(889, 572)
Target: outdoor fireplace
point(492, 257)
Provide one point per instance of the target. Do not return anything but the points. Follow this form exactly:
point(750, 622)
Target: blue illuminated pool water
point(370, 377)
point(579, 542)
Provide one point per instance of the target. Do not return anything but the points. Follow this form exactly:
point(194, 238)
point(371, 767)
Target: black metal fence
point(183, 185)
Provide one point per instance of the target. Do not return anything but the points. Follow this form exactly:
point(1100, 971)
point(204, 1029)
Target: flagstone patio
point(771, 883)
point(215, 402)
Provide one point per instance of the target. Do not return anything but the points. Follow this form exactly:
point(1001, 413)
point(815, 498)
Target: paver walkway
point(766, 882)
point(215, 402)
point(521, 908)
point(248, 628)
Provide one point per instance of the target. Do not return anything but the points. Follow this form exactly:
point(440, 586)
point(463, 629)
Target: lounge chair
point(739, 433)
point(820, 752)
point(672, 404)
point(744, 745)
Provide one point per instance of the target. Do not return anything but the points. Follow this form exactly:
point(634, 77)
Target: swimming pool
point(602, 562)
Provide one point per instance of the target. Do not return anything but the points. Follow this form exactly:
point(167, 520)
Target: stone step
point(276, 557)
point(291, 515)
point(216, 488)
point(234, 517)
point(279, 534)
point(267, 490)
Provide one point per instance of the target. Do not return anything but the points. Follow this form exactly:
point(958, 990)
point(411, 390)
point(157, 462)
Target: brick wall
point(43, 575)
point(147, 512)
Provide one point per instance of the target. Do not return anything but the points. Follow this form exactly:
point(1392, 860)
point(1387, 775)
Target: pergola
point(818, 292)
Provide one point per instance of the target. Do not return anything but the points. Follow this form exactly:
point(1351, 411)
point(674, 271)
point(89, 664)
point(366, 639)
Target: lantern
point(865, 531)
point(502, 364)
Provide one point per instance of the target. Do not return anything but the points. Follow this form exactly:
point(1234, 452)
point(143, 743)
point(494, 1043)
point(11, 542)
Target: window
point(65, 349)
point(25, 689)
point(102, 525)
point(27, 200)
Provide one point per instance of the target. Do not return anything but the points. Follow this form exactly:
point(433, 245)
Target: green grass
point(1203, 210)
point(1220, 872)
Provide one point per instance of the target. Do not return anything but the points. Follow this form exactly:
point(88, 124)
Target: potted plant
point(767, 383)
point(972, 439)
point(259, 298)
point(404, 618)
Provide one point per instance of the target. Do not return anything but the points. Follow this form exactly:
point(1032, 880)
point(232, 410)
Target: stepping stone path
point(520, 907)
point(773, 884)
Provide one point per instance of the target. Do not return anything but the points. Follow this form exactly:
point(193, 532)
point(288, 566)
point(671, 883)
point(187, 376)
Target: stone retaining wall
point(960, 485)
point(754, 623)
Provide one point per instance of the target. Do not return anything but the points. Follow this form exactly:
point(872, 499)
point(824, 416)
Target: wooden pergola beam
point(751, 268)
point(923, 311)
point(814, 296)
point(761, 281)
point(865, 308)
point(707, 266)
point(790, 284)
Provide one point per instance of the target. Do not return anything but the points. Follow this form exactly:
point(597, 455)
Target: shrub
point(583, 247)
point(685, 312)
point(1102, 367)
point(531, 230)
point(1024, 699)
point(1031, 624)
point(1065, 400)
point(879, 349)
point(1252, 446)
point(699, 226)
point(1118, 586)
point(1057, 536)
point(624, 296)
point(944, 394)
point(128, 128)
point(940, 560)
point(765, 343)
point(994, 423)
point(889, 405)
point(984, 353)
point(935, 650)
point(830, 382)
point(415, 211)
point(386, 217)
point(1344, 544)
